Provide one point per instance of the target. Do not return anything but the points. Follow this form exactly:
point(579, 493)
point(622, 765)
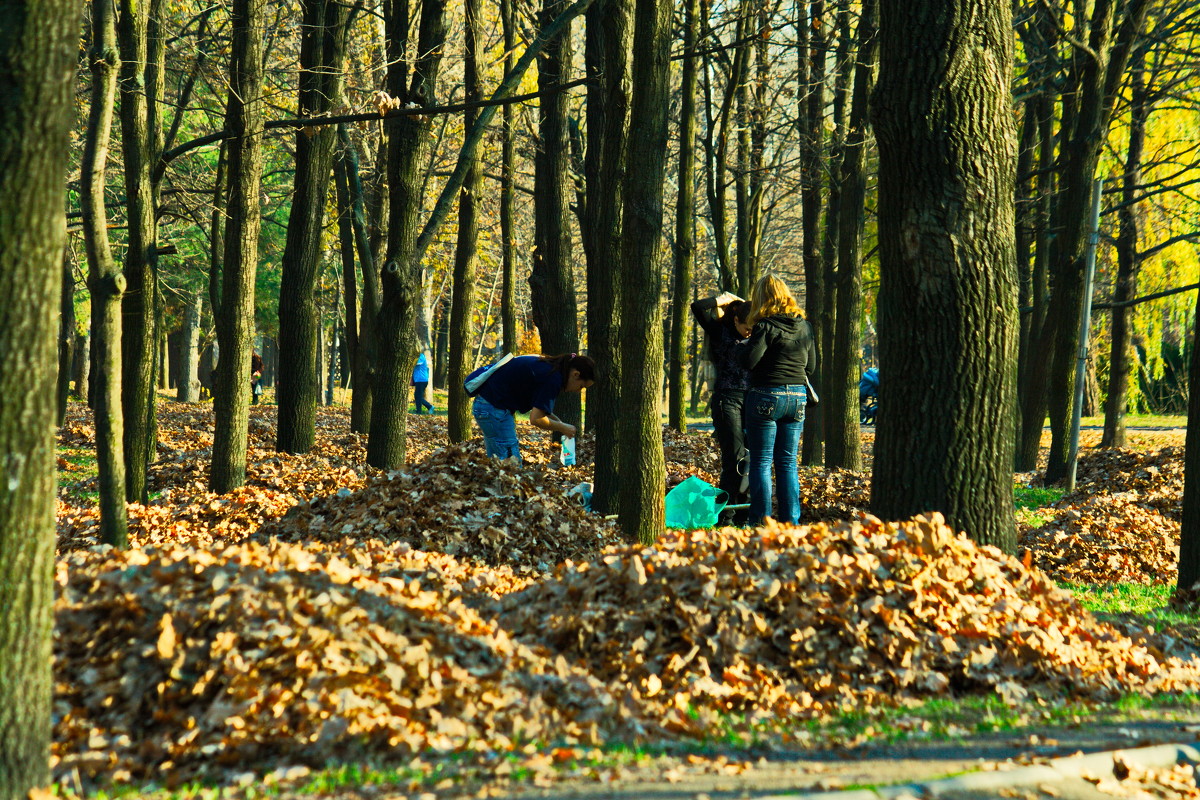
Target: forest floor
point(462, 628)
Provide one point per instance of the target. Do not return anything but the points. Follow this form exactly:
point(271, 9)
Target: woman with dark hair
point(527, 384)
point(723, 319)
point(781, 356)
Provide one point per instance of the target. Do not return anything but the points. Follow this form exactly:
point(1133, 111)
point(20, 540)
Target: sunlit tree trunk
point(189, 378)
point(297, 392)
point(643, 469)
point(106, 284)
point(508, 180)
point(811, 121)
point(235, 323)
point(947, 296)
point(1187, 589)
point(37, 60)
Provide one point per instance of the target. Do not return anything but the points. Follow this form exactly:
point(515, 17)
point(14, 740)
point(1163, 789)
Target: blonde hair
point(771, 297)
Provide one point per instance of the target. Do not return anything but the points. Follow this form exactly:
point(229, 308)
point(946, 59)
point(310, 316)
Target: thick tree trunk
point(105, 282)
point(462, 331)
point(552, 280)
point(843, 447)
point(1128, 260)
point(139, 335)
point(685, 226)
point(643, 469)
point(321, 49)
point(607, 50)
point(947, 296)
point(408, 141)
point(812, 137)
point(235, 323)
point(37, 61)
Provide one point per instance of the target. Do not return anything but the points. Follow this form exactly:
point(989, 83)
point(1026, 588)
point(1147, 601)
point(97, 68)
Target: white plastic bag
point(567, 456)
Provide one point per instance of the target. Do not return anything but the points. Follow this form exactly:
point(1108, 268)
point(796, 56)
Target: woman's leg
point(731, 438)
point(787, 445)
point(760, 437)
point(499, 429)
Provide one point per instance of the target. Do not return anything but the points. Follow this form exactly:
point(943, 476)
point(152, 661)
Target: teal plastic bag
point(694, 504)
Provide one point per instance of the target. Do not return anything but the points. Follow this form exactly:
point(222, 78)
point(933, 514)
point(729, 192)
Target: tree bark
point(508, 180)
point(1128, 259)
point(1187, 589)
point(66, 337)
point(105, 282)
point(366, 351)
point(685, 226)
point(843, 444)
point(189, 379)
point(408, 141)
point(643, 467)
point(297, 393)
point(235, 323)
point(139, 335)
point(462, 331)
point(552, 281)
point(811, 120)
point(607, 53)
point(947, 296)
point(37, 65)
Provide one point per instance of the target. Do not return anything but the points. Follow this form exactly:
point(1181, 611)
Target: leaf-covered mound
point(797, 621)
point(461, 503)
point(1120, 525)
point(181, 661)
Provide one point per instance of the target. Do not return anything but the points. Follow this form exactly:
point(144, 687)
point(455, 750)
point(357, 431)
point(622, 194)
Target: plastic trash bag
point(694, 504)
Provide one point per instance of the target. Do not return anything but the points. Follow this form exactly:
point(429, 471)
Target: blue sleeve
point(547, 390)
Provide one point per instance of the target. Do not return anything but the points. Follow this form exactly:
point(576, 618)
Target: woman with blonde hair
point(781, 356)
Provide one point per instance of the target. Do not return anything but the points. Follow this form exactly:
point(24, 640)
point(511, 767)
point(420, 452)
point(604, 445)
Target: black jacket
point(782, 350)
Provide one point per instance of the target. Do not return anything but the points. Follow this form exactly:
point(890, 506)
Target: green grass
point(85, 469)
point(1149, 602)
point(1143, 421)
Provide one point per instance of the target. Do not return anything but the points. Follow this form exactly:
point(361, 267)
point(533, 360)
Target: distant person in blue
point(420, 382)
point(527, 384)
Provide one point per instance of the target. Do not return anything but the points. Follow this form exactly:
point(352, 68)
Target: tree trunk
point(607, 51)
point(366, 352)
point(552, 281)
point(1187, 589)
point(685, 226)
point(37, 58)
point(1096, 90)
point(812, 137)
point(235, 323)
point(189, 379)
point(508, 180)
point(462, 331)
point(643, 467)
point(105, 282)
point(1128, 260)
point(947, 296)
point(408, 141)
point(320, 79)
point(66, 337)
point(843, 445)
point(81, 367)
point(139, 334)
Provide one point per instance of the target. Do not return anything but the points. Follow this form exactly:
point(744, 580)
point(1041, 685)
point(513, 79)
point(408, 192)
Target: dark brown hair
point(569, 361)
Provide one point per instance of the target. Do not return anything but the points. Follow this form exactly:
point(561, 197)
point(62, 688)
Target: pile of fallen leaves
point(461, 503)
point(1122, 523)
point(182, 661)
point(786, 621)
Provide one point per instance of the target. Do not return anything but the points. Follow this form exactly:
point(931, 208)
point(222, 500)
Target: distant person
point(527, 384)
point(420, 382)
point(724, 320)
point(256, 372)
point(781, 356)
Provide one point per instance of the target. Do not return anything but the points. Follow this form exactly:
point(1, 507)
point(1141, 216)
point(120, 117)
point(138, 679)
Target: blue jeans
point(774, 422)
point(499, 426)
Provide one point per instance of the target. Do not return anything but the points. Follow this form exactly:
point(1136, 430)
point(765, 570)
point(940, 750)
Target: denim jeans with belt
point(774, 422)
point(499, 426)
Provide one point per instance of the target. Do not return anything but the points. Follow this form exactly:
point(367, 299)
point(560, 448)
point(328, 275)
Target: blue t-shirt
point(421, 371)
point(522, 384)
